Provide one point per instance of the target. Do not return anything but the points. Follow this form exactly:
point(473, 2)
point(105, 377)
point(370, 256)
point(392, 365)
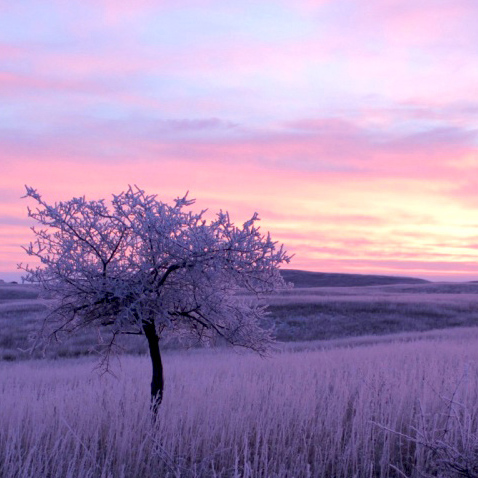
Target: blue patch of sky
point(26, 23)
point(260, 22)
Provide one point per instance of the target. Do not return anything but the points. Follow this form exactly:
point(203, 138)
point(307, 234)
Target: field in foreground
point(337, 412)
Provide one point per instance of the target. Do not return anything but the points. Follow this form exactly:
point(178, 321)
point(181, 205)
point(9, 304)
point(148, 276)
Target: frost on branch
point(142, 266)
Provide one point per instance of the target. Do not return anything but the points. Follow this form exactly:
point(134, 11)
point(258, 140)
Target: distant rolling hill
point(322, 306)
point(297, 277)
point(327, 279)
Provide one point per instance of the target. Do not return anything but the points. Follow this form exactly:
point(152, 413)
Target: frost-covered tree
point(138, 265)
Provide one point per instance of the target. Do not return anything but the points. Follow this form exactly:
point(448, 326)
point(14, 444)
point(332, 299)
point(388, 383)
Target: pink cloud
point(14, 83)
point(402, 22)
point(430, 22)
point(322, 145)
point(334, 241)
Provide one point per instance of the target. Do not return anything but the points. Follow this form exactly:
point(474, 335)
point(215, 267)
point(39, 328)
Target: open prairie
point(371, 381)
point(300, 314)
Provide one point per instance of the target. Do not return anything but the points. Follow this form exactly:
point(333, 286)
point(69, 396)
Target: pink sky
point(349, 125)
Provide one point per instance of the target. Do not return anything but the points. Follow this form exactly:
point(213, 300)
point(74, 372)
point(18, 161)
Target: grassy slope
point(329, 313)
point(305, 313)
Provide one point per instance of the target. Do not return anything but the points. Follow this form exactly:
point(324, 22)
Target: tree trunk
point(157, 381)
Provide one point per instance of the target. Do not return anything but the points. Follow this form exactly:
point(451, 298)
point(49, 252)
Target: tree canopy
point(139, 265)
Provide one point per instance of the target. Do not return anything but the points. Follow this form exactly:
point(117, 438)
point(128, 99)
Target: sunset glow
point(350, 126)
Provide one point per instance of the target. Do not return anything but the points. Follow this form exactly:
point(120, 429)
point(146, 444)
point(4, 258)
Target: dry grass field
point(340, 412)
point(371, 381)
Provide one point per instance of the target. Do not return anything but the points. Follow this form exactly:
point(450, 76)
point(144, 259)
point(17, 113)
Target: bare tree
point(138, 265)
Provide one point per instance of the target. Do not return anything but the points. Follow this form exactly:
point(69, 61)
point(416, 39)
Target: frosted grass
point(308, 413)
